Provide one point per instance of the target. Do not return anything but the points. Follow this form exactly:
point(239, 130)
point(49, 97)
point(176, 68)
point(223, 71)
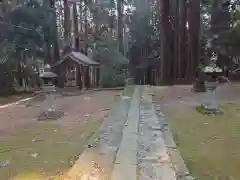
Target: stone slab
point(178, 163)
point(126, 157)
point(185, 178)
point(129, 143)
point(97, 161)
point(125, 164)
point(168, 138)
point(124, 172)
point(166, 172)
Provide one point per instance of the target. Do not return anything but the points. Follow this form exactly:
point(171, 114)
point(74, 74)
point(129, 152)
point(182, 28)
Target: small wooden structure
point(146, 72)
point(75, 69)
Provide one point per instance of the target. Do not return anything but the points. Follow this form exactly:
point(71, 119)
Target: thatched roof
point(79, 58)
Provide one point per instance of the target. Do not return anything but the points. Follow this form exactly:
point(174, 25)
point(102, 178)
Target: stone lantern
point(49, 90)
point(212, 73)
point(47, 76)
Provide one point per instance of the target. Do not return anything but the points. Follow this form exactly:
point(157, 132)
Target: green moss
point(28, 176)
point(201, 110)
point(204, 111)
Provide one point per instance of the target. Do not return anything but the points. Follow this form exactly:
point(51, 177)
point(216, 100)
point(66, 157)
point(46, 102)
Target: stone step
point(125, 167)
point(97, 161)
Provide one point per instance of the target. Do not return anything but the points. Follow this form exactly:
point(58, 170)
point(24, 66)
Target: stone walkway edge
point(182, 173)
point(125, 165)
point(153, 158)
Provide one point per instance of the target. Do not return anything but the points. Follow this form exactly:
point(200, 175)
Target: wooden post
point(97, 76)
point(79, 75)
point(91, 76)
point(94, 77)
point(87, 78)
point(83, 76)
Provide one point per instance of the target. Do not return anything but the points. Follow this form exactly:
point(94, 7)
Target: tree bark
point(183, 39)
point(86, 27)
point(175, 56)
point(120, 26)
point(56, 55)
point(75, 24)
point(66, 22)
point(47, 44)
point(165, 62)
point(194, 38)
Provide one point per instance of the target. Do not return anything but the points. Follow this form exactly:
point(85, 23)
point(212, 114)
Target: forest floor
point(209, 145)
point(30, 148)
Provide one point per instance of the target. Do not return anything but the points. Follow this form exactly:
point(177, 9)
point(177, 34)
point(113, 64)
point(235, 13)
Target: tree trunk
point(214, 15)
point(56, 55)
point(66, 22)
point(75, 24)
point(47, 44)
point(175, 56)
point(194, 38)
point(86, 26)
point(165, 62)
point(182, 46)
point(120, 26)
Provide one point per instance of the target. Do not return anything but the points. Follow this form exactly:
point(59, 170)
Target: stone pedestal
point(211, 105)
point(211, 102)
point(49, 103)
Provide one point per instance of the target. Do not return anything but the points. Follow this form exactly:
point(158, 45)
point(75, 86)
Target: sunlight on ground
point(44, 149)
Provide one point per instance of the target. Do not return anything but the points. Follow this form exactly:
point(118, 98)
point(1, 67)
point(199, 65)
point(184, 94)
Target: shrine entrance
point(75, 69)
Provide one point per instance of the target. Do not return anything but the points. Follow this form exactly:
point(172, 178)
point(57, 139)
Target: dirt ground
point(209, 144)
point(18, 117)
point(48, 147)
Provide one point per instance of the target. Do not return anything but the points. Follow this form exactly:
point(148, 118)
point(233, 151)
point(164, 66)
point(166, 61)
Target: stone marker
point(50, 109)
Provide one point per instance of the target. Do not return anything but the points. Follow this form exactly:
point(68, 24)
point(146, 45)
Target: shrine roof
point(79, 58)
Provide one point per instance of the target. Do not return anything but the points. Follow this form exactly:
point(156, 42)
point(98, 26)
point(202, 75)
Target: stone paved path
point(96, 162)
point(131, 145)
point(153, 159)
point(126, 163)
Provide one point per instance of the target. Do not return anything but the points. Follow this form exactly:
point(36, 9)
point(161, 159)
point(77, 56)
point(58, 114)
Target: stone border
point(39, 94)
point(16, 103)
point(182, 173)
point(77, 93)
point(125, 160)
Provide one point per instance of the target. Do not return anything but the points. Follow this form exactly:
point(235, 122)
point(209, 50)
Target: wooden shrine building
point(75, 69)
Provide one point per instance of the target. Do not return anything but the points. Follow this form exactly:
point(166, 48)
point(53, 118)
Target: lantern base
point(50, 115)
point(207, 111)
